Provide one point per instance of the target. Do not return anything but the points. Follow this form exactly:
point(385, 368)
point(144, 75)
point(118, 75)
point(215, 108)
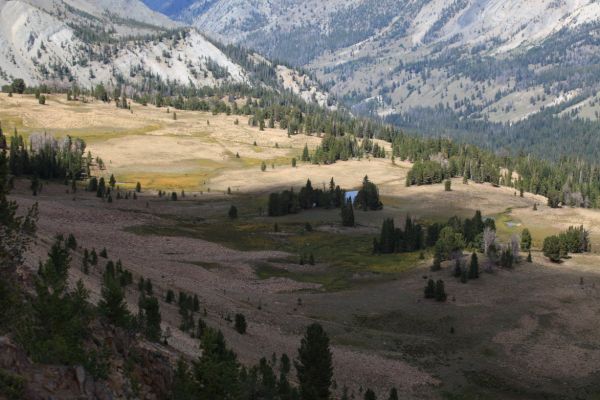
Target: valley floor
point(526, 333)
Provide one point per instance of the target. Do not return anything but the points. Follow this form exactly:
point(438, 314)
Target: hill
point(384, 334)
point(123, 43)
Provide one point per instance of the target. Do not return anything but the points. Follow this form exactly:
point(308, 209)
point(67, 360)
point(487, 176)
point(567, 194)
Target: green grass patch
point(331, 278)
point(348, 258)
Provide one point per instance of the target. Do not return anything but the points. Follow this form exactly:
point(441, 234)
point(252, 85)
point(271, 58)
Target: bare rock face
point(134, 369)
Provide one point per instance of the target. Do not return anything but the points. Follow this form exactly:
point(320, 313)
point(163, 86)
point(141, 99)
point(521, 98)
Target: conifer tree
point(112, 305)
point(474, 267)
point(170, 296)
point(240, 324)
point(148, 287)
point(552, 248)
point(347, 214)
point(85, 262)
point(440, 291)
point(430, 289)
point(305, 154)
point(233, 212)
point(314, 365)
point(216, 372)
point(526, 240)
point(93, 257)
point(370, 395)
point(60, 316)
point(150, 315)
point(196, 303)
point(101, 191)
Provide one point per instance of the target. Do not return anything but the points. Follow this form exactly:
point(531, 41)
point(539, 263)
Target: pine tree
point(112, 304)
point(240, 324)
point(314, 365)
point(60, 316)
point(170, 296)
point(93, 257)
point(440, 291)
point(263, 166)
point(430, 289)
point(347, 214)
point(148, 287)
point(474, 267)
point(216, 372)
point(138, 187)
point(85, 263)
point(233, 212)
point(71, 242)
point(552, 248)
point(529, 259)
point(305, 154)
point(196, 303)
point(101, 188)
point(526, 240)
point(150, 311)
point(370, 395)
point(112, 181)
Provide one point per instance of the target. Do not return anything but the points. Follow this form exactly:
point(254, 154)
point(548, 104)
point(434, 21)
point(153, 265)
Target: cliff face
point(126, 367)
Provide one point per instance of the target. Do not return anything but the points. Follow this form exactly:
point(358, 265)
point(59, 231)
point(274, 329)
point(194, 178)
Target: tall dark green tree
point(552, 248)
point(60, 315)
point(347, 214)
point(440, 291)
point(474, 267)
point(216, 373)
point(150, 318)
point(314, 364)
point(112, 305)
point(368, 197)
point(370, 395)
point(526, 240)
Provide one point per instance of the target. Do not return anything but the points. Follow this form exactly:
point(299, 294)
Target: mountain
point(125, 42)
point(90, 42)
point(501, 73)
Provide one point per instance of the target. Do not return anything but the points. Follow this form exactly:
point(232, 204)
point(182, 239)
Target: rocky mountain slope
point(120, 42)
point(90, 42)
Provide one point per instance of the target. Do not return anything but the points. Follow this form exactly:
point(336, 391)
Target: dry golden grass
point(197, 152)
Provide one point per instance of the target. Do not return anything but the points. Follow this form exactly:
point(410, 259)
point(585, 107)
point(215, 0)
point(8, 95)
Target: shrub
point(240, 324)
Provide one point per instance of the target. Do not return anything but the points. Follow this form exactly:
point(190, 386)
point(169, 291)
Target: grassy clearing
point(349, 258)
